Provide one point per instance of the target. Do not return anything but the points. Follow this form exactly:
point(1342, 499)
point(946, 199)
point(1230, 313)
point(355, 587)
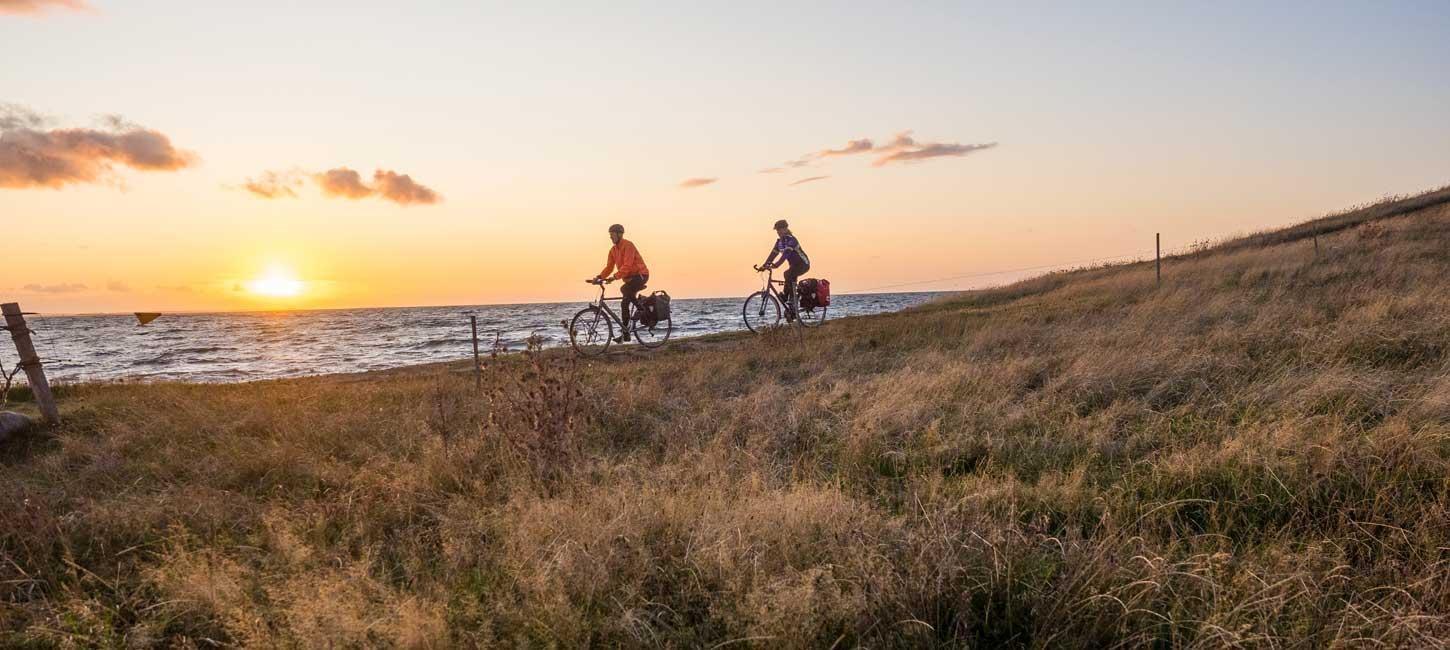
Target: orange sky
point(492, 147)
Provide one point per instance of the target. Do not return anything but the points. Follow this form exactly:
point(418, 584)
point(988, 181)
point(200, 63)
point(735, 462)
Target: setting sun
point(276, 283)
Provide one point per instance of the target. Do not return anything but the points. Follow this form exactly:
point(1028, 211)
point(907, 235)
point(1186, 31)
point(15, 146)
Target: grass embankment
point(1255, 454)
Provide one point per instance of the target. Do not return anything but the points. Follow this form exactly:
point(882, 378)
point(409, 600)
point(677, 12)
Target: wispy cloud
point(771, 170)
point(33, 156)
point(400, 188)
point(697, 182)
point(855, 146)
point(810, 180)
point(274, 185)
point(930, 150)
point(901, 148)
point(117, 286)
point(55, 288)
point(38, 6)
point(343, 183)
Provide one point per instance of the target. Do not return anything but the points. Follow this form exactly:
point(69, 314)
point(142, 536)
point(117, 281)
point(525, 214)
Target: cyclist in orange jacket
point(624, 259)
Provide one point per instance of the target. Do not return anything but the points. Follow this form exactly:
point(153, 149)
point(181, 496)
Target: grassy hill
point(1254, 453)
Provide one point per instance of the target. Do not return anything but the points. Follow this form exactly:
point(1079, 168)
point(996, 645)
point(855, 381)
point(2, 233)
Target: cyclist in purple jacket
point(789, 250)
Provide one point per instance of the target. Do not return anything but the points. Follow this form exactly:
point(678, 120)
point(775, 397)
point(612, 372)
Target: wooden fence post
point(1316, 246)
point(477, 371)
point(30, 361)
point(1158, 256)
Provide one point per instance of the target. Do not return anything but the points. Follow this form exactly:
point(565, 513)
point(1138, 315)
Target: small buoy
point(144, 317)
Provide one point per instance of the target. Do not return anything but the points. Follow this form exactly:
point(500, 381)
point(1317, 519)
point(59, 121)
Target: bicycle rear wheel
point(651, 337)
point(761, 311)
point(590, 332)
point(811, 317)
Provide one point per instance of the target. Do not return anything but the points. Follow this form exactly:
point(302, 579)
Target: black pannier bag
point(661, 302)
point(647, 312)
point(806, 290)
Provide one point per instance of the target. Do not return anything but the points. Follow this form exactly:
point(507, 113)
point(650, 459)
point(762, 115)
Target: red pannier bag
point(823, 293)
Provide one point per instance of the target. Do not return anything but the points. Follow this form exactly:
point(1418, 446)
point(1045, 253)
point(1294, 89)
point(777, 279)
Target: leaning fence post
point(1158, 257)
point(477, 370)
point(30, 361)
point(1316, 245)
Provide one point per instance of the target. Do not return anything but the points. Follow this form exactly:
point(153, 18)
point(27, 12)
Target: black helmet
point(781, 224)
point(617, 228)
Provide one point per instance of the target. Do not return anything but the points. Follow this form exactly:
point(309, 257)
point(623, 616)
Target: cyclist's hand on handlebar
point(759, 267)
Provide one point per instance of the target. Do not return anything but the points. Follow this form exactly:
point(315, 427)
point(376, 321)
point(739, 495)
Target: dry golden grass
point(1254, 454)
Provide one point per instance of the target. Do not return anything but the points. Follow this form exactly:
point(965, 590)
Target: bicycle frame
point(770, 288)
point(602, 302)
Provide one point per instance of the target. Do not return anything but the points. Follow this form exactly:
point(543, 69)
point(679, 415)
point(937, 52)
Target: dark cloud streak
point(930, 150)
point(70, 287)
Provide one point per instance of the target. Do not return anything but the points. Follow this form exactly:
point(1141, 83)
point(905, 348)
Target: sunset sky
point(177, 155)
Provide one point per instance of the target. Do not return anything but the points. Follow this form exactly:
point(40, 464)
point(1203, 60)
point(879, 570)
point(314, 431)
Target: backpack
point(661, 302)
point(823, 293)
point(806, 293)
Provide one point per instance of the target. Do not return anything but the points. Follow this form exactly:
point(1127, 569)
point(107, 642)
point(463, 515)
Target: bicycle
point(763, 308)
point(592, 329)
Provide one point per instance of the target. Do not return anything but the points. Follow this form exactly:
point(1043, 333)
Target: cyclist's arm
point(608, 265)
point(771, 257)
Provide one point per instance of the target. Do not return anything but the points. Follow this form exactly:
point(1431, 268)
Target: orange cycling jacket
point(624, 257)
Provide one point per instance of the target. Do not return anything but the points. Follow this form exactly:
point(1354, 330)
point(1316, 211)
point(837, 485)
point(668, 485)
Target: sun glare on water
point(276, 283)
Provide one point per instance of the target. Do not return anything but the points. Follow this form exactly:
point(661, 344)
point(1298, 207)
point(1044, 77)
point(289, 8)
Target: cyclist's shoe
point(790, 316)
point(622, 338)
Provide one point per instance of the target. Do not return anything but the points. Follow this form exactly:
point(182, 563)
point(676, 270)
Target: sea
point(236, 346)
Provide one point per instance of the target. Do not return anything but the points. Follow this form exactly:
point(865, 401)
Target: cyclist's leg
point(792, 275)
point(628, 291)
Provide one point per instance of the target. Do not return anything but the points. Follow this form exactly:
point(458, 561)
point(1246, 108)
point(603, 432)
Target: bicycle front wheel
point(761, 311)
point(590, 332)
point(652, 337)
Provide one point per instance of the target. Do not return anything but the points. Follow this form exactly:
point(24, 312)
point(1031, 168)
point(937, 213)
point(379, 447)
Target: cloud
point(55, 288)
point(342, 182)
point(400, 188)
point(117, 286)
point(38, 6)
point(810, 179)
point(771, 170)
point(31, 156)
point(900, 149)
point(274, 185)
point(853, 147)
point(697, 182)
point(930, 150)
point(179, 288)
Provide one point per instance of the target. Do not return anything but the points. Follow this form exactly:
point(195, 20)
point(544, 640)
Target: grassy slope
point(1256, 454)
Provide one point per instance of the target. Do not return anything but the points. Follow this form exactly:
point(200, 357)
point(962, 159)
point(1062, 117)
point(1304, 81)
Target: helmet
point(617, 228)
point(781, 224)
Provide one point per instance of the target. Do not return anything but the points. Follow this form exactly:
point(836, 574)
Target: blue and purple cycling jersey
point(790, 250)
